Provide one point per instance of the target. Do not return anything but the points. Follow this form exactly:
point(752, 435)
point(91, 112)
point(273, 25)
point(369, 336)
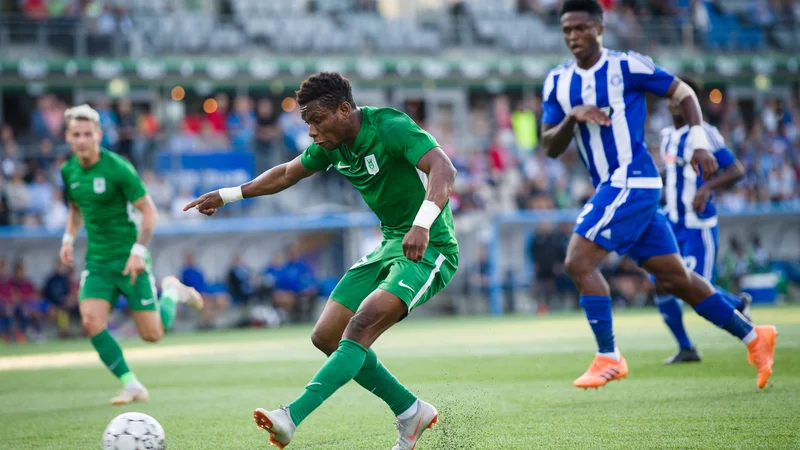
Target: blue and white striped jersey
point(617, 85)
point(681, 180)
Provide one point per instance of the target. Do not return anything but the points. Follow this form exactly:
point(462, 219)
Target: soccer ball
point(134, 431)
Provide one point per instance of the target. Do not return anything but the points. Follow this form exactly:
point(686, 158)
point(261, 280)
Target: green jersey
point(382, 166)
point(105, 193)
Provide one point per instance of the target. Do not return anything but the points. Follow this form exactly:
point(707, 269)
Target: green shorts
point(104, 280)
point(388, 268)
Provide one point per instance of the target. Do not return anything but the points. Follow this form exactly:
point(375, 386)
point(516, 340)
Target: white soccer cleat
point(187, 295)
point(130, 394)
point(409, 430)
point(279, 424)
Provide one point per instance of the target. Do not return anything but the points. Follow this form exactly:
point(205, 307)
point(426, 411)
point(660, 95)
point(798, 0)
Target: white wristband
point(67, 238)
point(231, 194)
point(699, 138)
point(139, 250)
point(427, 214)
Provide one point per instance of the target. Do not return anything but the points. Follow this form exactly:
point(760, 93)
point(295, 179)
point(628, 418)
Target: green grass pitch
point(498, 383)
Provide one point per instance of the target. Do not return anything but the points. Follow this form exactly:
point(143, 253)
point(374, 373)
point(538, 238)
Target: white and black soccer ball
point(134, 431)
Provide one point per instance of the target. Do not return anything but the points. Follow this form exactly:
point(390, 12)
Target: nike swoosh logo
point(74, 185)
point(149, 301)
point(401, 284)
point(414, 435)
point(313, 383)
point(342, 166)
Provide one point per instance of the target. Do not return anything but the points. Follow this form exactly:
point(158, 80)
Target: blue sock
point(720, 313)
point(733, 300)
point(671, 311)
point(598, 313)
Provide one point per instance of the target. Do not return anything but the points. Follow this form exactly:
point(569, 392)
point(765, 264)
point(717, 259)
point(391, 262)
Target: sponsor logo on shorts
point(401, 284)
point(148, 301)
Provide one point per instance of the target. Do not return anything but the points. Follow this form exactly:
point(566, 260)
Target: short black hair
point(592, 7)
point(692, 84)
point(330, 88)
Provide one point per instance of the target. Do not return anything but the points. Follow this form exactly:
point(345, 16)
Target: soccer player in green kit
point(104, 190)
point(405, 178)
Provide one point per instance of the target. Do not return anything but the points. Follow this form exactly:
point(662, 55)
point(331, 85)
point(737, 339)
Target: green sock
point(168, 302)
point(341, 367)
point(110, 353)
point(377, 379)
point(128, 378)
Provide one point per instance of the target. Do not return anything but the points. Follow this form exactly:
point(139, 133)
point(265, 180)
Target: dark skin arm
point(441, 176)
point(556, 138)
point(721, 180)
point(690, 108)
point(272, 181)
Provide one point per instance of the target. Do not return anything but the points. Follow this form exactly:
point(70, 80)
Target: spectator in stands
point(5, 213)
point(9, 158)
point(109, 123)
point(17, 196)
point(219, 116)
point(40, 194)
point(215, 300)
point(547, 250)
point(212, 140)
point(738, 262)
point(61, 293)
point(28, 304)
point(48, 119)
point(55, 216)
point(241, 123)
point(239, 282)
point(6, 302)
point(294, 286)
point(268, 152)
point(44, 159)
point(148, 128)
point(127, 129)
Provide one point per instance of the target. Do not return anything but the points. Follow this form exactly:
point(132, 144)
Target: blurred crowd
point(500, 167)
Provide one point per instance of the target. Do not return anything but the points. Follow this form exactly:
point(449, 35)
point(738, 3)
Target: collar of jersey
point(596, 66)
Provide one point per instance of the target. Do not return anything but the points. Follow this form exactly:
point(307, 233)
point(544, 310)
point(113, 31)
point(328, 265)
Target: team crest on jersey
point(372, 164)
point(616, 80)
point(99, 185)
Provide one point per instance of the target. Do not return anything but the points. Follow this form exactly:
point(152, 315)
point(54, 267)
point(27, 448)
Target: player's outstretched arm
point(441, 177)
point(74, 224)
point(690, 108)
point(270, 182)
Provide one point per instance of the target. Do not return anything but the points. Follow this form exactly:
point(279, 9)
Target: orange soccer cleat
point(602, 370)
point(761, 352)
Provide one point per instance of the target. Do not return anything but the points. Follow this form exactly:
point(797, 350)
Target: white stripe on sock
point(751, 336)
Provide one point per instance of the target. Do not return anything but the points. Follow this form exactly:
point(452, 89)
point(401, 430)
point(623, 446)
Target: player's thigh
point(700, 252)
point(416, 283)
point(94, 314)
point(357, 284)
point(614, 219)
point(98, 282)
point(148, 325)
point(330, 326)
point(656, 241)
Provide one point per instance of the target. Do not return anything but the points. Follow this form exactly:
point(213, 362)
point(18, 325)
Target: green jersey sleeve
point(407, 139)
point(315, 158)
point(131, 185)
point(65, 182)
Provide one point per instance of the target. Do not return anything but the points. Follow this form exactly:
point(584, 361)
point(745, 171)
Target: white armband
point(231, 194)
point(699, 138)
point(427, 214)
point(683, 91)
point(67, 238)
point(139, 250)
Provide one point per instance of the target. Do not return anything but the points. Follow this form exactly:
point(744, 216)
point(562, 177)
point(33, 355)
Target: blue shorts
point(698, 249)
point(627, 221)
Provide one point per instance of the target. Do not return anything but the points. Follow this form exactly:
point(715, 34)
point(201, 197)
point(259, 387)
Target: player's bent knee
point(675, 282)
point(92, 325)
point(323, 342)
point(152, 336)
